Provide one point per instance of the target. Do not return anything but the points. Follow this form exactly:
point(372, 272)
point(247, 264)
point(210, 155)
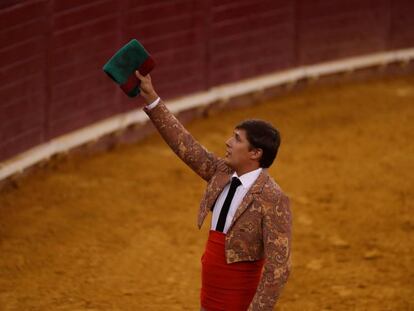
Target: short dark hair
point(263, 135)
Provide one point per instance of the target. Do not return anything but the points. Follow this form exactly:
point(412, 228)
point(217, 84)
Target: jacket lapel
point(214, 188)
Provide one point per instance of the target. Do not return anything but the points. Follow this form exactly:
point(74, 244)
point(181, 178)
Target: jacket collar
point(259, 183)
point(248, 179)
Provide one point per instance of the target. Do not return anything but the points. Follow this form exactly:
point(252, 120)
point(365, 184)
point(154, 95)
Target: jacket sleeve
point(277, 226)
point(196, 156)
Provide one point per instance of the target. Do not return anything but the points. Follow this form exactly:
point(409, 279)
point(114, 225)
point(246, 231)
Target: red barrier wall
point(52, 52)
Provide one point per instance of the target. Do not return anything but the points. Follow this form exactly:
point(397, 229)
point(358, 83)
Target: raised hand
point(147, 90)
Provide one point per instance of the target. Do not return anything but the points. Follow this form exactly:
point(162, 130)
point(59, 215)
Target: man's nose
point(228, 142)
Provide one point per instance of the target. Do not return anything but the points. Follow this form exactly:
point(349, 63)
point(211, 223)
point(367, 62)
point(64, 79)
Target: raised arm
point(195, 155)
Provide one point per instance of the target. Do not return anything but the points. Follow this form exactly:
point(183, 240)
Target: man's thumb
point(138, 74)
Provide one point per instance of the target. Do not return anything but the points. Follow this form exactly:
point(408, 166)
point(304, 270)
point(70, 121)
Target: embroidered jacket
point(261, 226)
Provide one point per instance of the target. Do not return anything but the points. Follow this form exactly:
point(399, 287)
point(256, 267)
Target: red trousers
point(226, 287)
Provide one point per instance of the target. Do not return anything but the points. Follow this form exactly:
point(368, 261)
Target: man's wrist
point(150, 98)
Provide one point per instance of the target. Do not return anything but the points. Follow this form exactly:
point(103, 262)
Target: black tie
point(235, 182)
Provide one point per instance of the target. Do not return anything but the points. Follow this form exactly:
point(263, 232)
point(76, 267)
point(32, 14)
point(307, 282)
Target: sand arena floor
point(117, 231)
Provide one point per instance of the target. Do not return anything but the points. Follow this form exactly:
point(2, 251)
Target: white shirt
point(153, 104)
point(247, 181)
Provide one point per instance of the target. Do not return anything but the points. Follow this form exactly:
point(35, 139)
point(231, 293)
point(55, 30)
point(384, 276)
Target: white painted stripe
point(223, 92)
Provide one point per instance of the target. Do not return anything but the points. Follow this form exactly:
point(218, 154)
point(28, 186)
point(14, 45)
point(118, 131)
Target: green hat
point(121, 67)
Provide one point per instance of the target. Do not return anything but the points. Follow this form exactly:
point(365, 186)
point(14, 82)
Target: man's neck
point(245, 170)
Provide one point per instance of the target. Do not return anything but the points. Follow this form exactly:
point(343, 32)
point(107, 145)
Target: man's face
point(238, 153)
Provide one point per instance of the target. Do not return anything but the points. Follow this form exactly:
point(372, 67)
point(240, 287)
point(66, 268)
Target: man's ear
point(257, 154)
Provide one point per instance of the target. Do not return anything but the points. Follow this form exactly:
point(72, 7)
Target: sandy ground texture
point(117, 231)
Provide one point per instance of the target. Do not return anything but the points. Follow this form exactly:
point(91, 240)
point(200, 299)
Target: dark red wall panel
point(340, 28)
point(82, 35)
point(52, 52)
point(402, 24)
point(22, 77)
point(248, 38)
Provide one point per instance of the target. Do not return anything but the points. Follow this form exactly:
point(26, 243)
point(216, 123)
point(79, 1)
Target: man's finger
point(138, 74)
